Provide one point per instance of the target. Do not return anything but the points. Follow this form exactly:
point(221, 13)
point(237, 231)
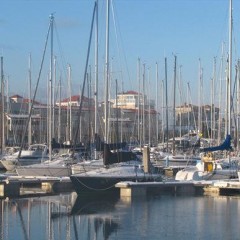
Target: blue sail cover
point(226, 145)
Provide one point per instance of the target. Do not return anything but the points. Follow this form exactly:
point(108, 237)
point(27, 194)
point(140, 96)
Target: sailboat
point(118, 165)
point(210, 168)
point(62, 165)
point(58, 165)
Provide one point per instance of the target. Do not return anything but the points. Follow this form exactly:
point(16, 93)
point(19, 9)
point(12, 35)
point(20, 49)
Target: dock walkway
point(17, 186)
point(21, 186)
point(131, 189)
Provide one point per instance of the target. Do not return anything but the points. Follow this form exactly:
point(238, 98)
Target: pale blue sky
point(147, 29)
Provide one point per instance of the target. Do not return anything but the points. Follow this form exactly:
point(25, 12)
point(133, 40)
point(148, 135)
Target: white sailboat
point(118, 165)
point(59, 166)
point(209, 168)
point(36, 153)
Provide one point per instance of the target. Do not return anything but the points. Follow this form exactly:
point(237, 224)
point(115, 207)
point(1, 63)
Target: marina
point(21, 186)
point(164, 216)
point(97, 150)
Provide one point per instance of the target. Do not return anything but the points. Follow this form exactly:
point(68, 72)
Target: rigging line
point(84, 81)
point(192, 109)
point(63, 61)
point(118, 48)
point(35, 92)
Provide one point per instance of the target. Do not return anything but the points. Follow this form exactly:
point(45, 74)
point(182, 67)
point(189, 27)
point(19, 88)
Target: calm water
point(153, 217)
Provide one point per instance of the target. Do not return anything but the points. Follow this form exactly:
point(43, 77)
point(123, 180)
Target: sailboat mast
point(29, 103)
point(59, 111)
point(106, 110)
point(143, 106)
point(238, 96)
point(149, 110)
point(50, 90)
point(166, 96)
point(70, 105)
point(96, 74)
point(2, 93)
point(174, 102)
point(200, 99)
point(229, 80)
point(188, 111)
point(220, 96)
point(157, 128)
point(139, 89)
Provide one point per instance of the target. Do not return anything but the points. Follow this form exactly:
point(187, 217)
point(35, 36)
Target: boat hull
point(12, 163)
point(102, 183)
point(44, 171)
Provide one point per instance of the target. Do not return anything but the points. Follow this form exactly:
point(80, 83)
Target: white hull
point(57, 171)
point(86, 166)
point(60, 167)
point(195, 173)
point(104, 179)
point(11, 163)
point(36, 153)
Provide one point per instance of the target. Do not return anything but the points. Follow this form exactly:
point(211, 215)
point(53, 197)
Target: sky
point(195, 31)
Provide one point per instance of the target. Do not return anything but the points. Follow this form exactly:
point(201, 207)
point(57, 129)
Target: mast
point(96, 74)
point(59, 111)
point(70, 105)
point(188, 112)
point(162, 111)
point(229, 79)
point(143, 106)
point(180, 93)
point(220, 96)
point(238, 101)
point(149, 115)
point(29, 103)
point(50, 90)
point(116, 111)
point(106, 110)
point(3, 119)
point(212, 102)
point(139, 89)
point(35, 92)
point(214, 119)
point(53, 95)
point(166, 96)
point(83, 87)
point(174, 102)
point(200, 102)
point(157, 130)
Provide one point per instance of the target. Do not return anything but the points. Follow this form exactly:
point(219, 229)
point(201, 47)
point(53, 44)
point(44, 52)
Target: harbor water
point(68, 216)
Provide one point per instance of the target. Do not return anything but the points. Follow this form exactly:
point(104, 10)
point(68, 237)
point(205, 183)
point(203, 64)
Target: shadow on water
point(94, 204)
point(98, 209)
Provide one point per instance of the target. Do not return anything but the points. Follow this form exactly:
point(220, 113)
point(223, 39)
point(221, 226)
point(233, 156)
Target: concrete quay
point(19, 186)
point(134, 189)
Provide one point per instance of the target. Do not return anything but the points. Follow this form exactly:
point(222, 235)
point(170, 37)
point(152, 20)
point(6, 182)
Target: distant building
point(132, 100)
point(75, 101)
point(187, 117)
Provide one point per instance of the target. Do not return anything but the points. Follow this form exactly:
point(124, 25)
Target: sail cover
point(226, 145)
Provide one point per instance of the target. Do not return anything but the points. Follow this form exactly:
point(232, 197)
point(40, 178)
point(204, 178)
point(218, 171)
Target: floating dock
point(21, 186)
point(133, 189)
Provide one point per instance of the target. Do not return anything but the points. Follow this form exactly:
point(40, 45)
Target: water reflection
point(105, 217)
point(97, 212)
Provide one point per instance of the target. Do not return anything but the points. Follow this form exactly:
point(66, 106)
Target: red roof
point(131, 92)
point(16, 96)
point(27, 100)
point(75, 98)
